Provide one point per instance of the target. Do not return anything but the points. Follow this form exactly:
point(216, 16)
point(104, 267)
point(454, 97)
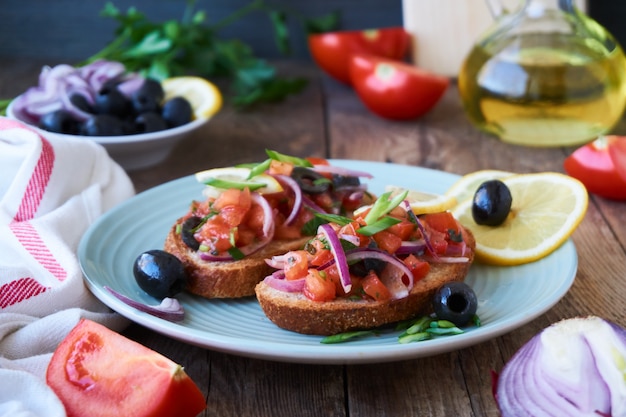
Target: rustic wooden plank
point(406, 388)
point(242, 387)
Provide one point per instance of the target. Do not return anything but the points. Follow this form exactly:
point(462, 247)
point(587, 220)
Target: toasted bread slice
point(226, 279)
point(295, 312)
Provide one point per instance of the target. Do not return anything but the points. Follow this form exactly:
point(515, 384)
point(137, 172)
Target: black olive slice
point(310, 181)
point(188, 230)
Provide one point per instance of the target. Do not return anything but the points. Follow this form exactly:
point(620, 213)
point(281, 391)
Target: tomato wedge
point(332, 50)
point(393, 89)
point(97, 372)
point(601, 166)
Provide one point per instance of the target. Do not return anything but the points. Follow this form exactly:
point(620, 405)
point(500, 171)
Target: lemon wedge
point(219, 179)
point(546, 209)
point(466, 186)
point(423, 203)
point(205, 98)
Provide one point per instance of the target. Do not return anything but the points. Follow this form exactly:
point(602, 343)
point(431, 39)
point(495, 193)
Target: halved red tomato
point(598, 165)
point(394, 89)
point(332, 50)
point(617, 151)
point(97, 372)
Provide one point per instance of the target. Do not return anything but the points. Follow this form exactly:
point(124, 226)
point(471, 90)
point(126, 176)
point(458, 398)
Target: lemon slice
point(423, 203)
point(546, 209)
point(205, 98)
point(467, 185)
point(219, 179)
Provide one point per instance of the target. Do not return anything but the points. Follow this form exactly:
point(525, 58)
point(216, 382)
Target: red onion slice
point(407, 206)
point(306, 201)
point(297, 192)
point(371, 253)
point(280, 283)
point(332, 169)
point(338, 255)
point(276, 261)
point(268, 215)
point(355, 240)
point(169, 309)
point(411, 246)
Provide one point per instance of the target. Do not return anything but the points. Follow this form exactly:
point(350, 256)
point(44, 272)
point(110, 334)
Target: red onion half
point(575, 367)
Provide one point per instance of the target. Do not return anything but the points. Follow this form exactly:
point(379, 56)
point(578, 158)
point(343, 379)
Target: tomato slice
point(393, 89)
point(332, 50)
point(601, 166)
point(97, 372)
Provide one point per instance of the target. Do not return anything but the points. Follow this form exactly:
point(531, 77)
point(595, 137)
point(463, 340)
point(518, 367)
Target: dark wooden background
point(73, 29)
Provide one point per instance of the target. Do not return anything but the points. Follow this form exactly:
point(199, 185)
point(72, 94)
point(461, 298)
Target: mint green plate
point(508, 296)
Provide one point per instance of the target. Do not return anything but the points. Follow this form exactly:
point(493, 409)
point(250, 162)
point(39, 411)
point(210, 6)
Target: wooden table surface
point(328, 120)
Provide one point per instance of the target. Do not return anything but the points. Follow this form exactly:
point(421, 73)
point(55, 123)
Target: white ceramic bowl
point(133, 152)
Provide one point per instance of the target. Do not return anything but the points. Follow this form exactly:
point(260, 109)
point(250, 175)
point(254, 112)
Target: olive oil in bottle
point(544, 89)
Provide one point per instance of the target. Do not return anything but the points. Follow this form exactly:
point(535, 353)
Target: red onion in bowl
point(58, 83)
point(574, 367)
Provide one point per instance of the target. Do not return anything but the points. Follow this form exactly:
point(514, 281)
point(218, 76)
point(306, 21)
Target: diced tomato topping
point(403, 230)
point(255, 217)
point(233, 197)
point(318, 287)
point(442, 222)
point(245, 236)
point(438, 241)
point(233, 205)
point(374, 288)
point(351, 201)
point(333, 275)
point(418, 268)
point(280, 168)
point(324, 200)
point(296, 264)
point(284, 231)
point(216, 234)
point(387, 241)
point(317, 161)
point(321, 257)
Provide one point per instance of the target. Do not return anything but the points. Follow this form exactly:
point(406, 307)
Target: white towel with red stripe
point(51, 191)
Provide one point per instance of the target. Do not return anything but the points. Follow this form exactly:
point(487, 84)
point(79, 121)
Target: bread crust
point(226, 279)
point(295, 312)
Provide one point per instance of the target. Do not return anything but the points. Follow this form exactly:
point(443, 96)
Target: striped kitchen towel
point(51, 191)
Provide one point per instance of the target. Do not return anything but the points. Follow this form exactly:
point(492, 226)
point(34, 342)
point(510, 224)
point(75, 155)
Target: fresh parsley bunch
point(191, 45)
